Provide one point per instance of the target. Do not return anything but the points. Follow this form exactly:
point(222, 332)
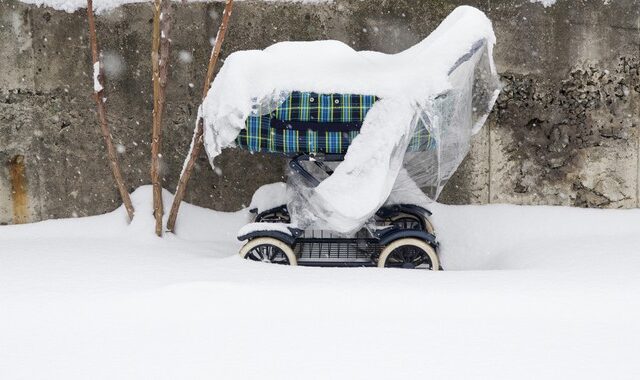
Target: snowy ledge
point(106, 5)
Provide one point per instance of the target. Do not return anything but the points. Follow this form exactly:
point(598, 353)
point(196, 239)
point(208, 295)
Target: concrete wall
point(564, 131)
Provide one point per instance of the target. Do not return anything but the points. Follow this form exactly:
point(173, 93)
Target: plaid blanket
point(308, 122)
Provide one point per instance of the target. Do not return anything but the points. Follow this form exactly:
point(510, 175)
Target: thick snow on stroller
point(371, 139)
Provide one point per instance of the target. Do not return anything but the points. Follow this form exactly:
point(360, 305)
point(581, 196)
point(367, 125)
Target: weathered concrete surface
point(565, 130)
point(566, 127)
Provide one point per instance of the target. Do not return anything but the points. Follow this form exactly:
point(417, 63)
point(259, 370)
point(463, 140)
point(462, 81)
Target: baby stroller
point(367, 135)
point(314, 131)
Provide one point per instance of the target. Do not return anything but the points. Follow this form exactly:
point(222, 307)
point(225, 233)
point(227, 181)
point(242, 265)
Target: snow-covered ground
point(529, 292)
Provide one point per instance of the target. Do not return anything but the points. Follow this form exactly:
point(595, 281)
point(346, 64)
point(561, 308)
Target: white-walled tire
point(408, 253)
point(268, 250)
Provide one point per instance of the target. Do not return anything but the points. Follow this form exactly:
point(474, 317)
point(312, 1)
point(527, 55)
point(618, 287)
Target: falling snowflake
point(113, 64)
point(185, 57)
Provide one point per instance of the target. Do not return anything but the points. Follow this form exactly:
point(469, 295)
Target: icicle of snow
point(97, 87)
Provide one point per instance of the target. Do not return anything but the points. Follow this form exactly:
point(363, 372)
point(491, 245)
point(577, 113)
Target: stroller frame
point(402, 235)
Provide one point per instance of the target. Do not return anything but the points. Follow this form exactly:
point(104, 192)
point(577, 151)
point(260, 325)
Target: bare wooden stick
point(102, 113)
point(155, 138)
point(215, 53)
point(197, 141)
point(160, 64)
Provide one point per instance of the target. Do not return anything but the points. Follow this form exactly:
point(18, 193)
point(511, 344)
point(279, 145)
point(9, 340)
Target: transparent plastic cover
point(447, 85)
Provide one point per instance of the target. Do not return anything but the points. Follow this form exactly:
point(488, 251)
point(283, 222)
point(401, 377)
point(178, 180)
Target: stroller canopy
point(414, 111)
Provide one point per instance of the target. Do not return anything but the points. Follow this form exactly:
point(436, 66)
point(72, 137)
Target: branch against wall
point(160, 62)
point(98, 89)
point(197, 141)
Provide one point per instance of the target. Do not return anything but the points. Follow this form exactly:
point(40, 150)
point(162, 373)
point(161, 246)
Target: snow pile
point(253, 227)
point(446, 83)
point(528, 292)
point(269, 196)
point(100, 6)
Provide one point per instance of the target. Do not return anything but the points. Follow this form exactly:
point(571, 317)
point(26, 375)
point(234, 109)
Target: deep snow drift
point(528, 292)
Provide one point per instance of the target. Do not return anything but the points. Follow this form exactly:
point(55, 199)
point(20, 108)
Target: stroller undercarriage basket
point(323, 248)
point(396, 223)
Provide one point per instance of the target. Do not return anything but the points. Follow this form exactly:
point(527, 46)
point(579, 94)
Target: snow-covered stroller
point(367, 135)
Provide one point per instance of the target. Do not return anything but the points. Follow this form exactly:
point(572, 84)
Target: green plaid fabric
point(309, 106)
point(334, 120)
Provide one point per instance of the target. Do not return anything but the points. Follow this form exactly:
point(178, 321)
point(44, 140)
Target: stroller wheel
point(411, 222)
point(409, 253)
point(268, 250)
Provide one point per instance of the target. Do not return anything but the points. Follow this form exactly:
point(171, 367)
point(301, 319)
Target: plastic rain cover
point(446, 84)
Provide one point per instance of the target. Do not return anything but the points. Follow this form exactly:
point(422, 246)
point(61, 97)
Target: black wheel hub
point(268, 253)
point(407, 257)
